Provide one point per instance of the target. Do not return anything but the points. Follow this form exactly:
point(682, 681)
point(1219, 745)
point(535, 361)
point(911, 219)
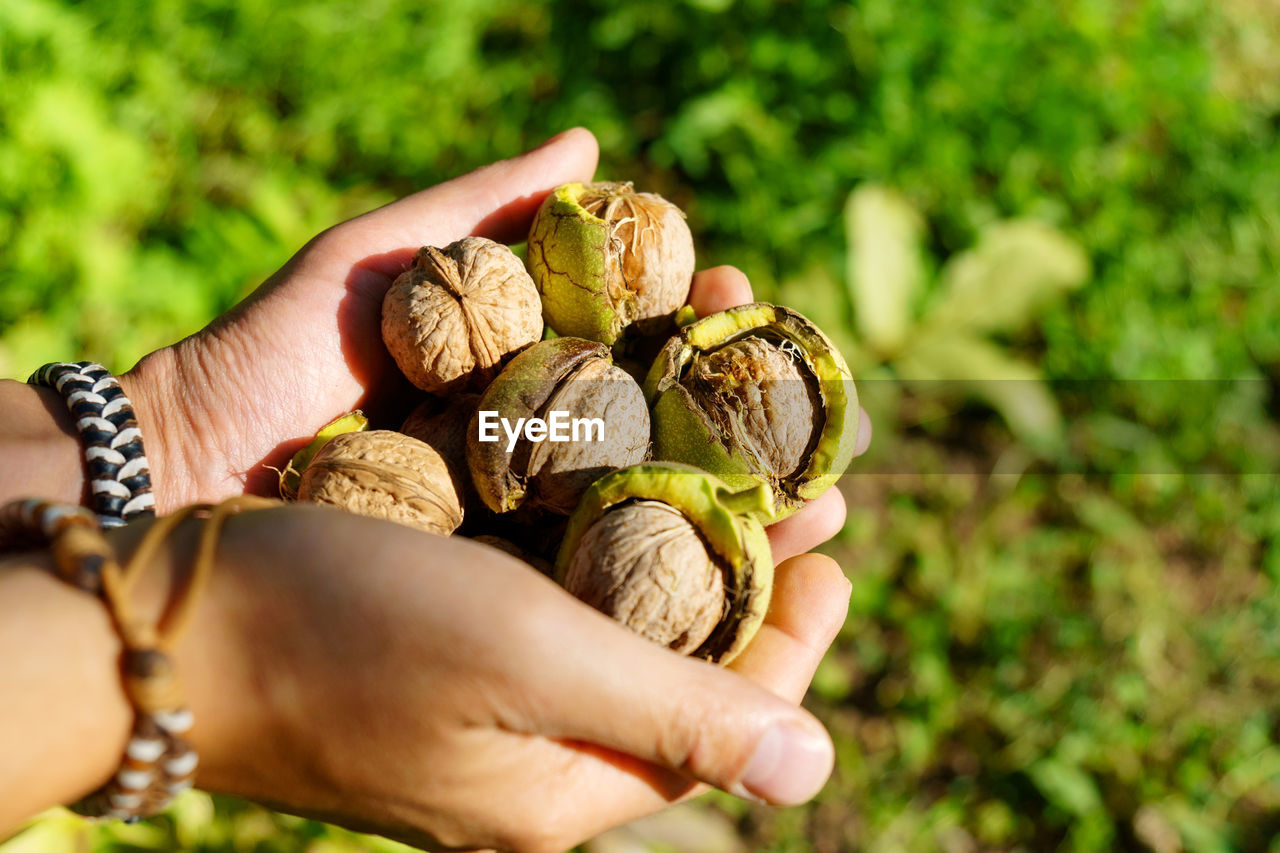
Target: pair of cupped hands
point(435, 690)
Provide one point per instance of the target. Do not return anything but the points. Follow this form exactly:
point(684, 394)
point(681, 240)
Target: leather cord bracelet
point(118, 472)
point(158, 762)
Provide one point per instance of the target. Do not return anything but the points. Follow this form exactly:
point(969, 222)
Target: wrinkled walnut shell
point(667, 550)
point(384, 474)
point(451, 319)
point(644, 565)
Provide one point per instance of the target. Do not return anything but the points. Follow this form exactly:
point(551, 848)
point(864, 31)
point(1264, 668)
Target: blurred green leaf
point(54, 831)
point(1066, 786)
point(885, 271)
point(1200, 832)
point(944, 364)
point(1016, 270)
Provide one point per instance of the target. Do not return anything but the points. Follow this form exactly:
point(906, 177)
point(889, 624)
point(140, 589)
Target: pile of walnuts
point(577, 416)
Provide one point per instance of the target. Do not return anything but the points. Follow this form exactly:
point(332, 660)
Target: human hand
point(235, 396)
point(247, 391)
point(228, 404)
point(461, 700)
point(810, 594)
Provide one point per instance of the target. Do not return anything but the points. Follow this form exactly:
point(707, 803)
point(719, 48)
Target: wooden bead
point(150, 681)
point(79, 553)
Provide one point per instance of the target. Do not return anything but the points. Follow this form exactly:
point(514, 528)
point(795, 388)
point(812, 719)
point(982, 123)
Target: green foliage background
point(1078, 652)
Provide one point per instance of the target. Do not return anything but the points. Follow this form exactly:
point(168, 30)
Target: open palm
point(238, 398)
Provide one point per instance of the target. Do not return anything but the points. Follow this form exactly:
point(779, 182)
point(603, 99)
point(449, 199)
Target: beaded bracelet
point(119, 474)
point(158, 762)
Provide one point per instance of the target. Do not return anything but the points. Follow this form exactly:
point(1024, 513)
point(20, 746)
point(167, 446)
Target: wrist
point(180, 438)
point(227, 660)
point(65, 718)
point(211, 654)
point(64, 727)
point(39, 445)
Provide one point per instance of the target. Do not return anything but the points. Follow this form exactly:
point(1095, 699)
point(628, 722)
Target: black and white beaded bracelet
point(119, 474)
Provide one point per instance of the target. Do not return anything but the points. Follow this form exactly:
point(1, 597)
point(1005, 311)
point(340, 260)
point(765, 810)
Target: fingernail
point(789, 765)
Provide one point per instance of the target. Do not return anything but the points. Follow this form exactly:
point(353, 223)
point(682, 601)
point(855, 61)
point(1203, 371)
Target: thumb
point(495, 201)
point(714, 725)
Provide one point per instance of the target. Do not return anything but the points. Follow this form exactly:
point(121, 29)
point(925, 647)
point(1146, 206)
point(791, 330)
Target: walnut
point(763, 398)
point(605, 256)
point(674, 555)
point(756, 394)
point(596, 389)
point(384, 474)
point(654, 249)
point(644, 565)
point(457, 313)
point(577, 379)
point(443, 425)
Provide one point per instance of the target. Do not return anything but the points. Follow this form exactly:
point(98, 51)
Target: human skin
point(318, 663)
point(461, 701)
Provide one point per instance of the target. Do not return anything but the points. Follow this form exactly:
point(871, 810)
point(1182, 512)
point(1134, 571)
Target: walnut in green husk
point(670, 552)
point(756, 394)
point(604, 256)
point(645, 565)
point(569, 379)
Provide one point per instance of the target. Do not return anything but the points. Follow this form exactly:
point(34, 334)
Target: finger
point(809, 605)
point(495, 201)
point(718, 288)
point(637, 698)
point(864, 433)
point(820, 519)
point(815, 523)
